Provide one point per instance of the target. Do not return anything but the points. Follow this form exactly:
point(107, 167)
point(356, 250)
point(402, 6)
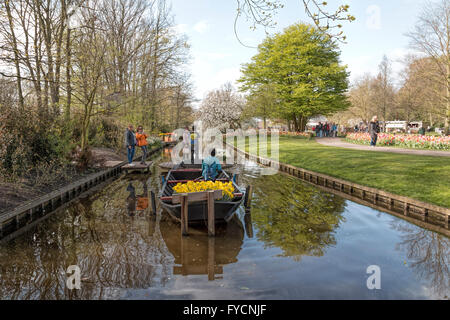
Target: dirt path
point(337, 142)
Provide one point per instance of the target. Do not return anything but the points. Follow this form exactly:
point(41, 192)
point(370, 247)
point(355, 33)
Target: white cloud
point(201, 26)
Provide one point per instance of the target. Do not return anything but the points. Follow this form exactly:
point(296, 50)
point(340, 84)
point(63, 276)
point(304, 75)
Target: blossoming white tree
point(222, 108)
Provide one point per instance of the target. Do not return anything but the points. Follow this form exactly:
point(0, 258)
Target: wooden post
point(184, 214)
point(211, 214)
point(211, 258)
point(248, 224)
point(183, 257)
point(152, 196)
point(391, 203)
point(406, 209)
point(248, 196)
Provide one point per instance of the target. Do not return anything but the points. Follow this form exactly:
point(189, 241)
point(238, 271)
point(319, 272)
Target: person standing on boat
point(374, 129)
point(194, 145)
point(141, 138)
point(130, 143)
point(211, 167)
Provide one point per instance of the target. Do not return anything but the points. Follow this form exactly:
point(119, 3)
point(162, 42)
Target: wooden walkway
point(37, 209)
point(137, 166)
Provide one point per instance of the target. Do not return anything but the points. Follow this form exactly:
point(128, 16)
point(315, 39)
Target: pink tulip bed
point(403, 140)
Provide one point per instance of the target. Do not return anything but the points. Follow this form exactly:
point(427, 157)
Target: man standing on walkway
point(130, 143)
point(374, 129)
point(141, 139)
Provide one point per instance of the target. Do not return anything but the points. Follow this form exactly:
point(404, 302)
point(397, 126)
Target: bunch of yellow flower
point(192, 186)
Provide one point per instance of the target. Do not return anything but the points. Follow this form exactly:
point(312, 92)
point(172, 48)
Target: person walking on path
point(141, 138)
point(374, 129)
point(130, 143)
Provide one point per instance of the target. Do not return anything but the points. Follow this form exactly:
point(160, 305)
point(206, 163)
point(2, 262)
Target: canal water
point(298, 242)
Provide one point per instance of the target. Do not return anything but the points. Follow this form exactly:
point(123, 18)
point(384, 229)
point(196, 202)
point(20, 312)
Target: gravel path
point(337, 142)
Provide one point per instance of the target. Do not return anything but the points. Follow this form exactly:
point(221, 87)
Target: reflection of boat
point(199, 254)
point(198, 211)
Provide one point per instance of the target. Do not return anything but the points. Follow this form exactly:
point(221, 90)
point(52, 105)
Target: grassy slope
point(424, 178)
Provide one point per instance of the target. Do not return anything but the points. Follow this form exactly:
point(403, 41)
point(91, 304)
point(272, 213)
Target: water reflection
point(297, 218)
point(199, 254)
point(428, 255)
point(137, 203)
point(113, 251)
point(123, 250)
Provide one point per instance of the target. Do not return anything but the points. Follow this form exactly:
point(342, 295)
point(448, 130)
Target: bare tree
point(384, 91)
point(361, 97)
point(261, 12)
point(431, 36)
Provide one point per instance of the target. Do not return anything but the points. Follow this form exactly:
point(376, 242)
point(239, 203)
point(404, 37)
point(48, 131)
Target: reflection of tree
point(297, 218)
point(113, 250)
point(428, 253)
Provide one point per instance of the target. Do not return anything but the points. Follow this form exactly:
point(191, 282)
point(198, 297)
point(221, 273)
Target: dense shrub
point(102, 132)
point(27, 142)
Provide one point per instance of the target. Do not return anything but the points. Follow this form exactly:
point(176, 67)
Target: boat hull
point(198, 211)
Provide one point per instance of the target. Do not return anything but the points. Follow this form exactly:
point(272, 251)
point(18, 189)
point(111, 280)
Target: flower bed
point(192, 186)
point(403, 140)
point(307, 135)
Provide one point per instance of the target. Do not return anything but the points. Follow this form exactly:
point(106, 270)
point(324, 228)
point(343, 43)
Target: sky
point(216, 55)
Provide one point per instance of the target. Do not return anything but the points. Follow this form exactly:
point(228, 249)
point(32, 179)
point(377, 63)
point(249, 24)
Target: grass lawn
point(425, 178)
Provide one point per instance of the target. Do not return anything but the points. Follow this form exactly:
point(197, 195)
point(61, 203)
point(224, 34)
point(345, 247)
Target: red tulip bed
point(403, 140)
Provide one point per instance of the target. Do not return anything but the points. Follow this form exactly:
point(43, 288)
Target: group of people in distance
point(133, 140)
point(325, 130)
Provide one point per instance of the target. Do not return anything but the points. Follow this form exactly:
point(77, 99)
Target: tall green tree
point(302, 64)
point(261, 103)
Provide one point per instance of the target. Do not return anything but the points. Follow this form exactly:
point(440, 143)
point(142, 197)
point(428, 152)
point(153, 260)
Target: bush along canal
point(297, 242)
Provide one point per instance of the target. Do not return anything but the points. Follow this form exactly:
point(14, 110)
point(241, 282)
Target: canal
point(298, 242)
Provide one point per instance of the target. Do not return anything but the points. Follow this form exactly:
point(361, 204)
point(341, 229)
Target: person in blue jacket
point(211, 167)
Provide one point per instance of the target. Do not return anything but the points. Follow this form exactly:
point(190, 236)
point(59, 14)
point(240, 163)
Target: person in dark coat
point(374, 129)
point(130, 143)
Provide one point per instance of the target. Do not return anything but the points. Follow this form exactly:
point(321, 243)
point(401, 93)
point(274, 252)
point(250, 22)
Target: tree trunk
point(16, 56)
point(68, 77)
